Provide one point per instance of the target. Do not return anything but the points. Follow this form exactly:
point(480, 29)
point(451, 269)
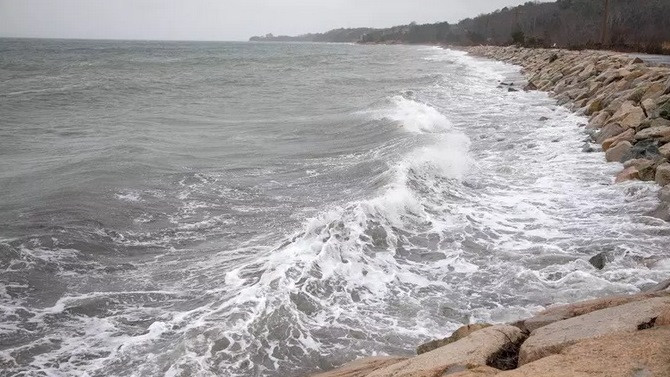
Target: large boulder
point(646, 149)
point(663, 110)
point(628, 135)
point(633, 118)
point(649, 105)
point(610, 130)
point(461, 333)
point(656, 132)
point(665, 151)
point(663, 174)
point(362, 367)
point(593, 106)
point(626, 109)
point(653, 123)
point(646, 169)
point(634, 354)
point(626, 318)
point(475, 349)
point(627, 174)
point(599, 120)
point(654, 91)
point(617, 153)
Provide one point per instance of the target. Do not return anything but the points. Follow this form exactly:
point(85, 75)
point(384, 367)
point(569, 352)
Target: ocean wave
point(414, 116)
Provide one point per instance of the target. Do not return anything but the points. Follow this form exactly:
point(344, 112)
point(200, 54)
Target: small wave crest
point(413, 116)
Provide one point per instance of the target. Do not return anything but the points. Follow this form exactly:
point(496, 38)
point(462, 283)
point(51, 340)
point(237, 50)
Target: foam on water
point(479, 212)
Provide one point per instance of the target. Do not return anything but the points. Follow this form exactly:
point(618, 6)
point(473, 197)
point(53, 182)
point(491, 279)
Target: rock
point(475, 349)
point(654, 91)
point(559, 313)
point(593, 106)
point(610, 130)
point(628, 174)
point(656, 132)
point(636, 162)
point(663, 174)
point(633, 118)
point(637, 95)
point(646, 169)
point(637, 61)
point(663, 110)
point(587, 148)
point(362, 367)
point(645, 149)
point(458, 334)
point(626, 109)
point(543, 119)
point(589, 71)
point(628, 135)
point(665, 150)
point(530, 86)
point(599, 120)
point(626, 318)
point(636, 354)
point(647, 172)
point(510, 89)
point(599, 260)
point(649, 105)
point(653, 122)
point(616, 153)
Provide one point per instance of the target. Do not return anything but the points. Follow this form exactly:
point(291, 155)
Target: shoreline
point(628, 105)
point(614, 336)
point(627, 102)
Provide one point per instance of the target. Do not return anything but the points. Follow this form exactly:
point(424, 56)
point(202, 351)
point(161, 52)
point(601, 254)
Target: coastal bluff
point(616, 336)
point(627, 102)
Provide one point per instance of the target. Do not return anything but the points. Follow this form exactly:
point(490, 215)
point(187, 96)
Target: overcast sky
point(221, 19)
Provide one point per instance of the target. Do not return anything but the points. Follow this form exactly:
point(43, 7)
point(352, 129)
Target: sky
point(225, 20)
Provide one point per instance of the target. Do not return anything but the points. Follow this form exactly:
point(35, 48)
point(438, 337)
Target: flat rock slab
point(640, 354)
point(462, 332)
point(473, 350)
point(362, 367)
point(562, 312)
point(553, 338)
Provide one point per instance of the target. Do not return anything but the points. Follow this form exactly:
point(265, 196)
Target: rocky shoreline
point(616, 336)
point(628, 103)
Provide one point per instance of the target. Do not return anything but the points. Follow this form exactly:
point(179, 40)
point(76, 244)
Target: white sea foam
point(467, 224)
point(415, 116)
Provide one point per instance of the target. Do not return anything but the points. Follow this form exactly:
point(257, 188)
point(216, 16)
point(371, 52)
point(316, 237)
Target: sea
point(279, 209)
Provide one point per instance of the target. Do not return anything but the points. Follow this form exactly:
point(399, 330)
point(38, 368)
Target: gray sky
point(221, 19)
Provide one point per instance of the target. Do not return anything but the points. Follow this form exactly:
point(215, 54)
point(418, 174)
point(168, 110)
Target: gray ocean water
point(250, 209)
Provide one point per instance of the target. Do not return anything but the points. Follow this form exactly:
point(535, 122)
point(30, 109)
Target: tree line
point(632, 25)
